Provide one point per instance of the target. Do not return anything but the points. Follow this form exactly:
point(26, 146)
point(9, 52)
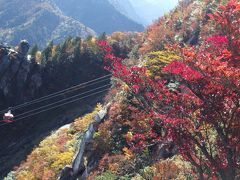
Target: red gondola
point(8, 117)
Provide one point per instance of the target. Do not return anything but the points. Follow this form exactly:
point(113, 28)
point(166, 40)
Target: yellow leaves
point(81, 124)
point(157, 60)
point(148, 73)
point(46, 161)
point(128, 153)
point(38, 57)
point(54, 153)
point(25, 175)
point(62, 160)
point(129, 135)
point(125, 87)
point(93, 40)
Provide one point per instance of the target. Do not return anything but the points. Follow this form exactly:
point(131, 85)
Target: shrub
point(175, 168)
point(155, 61)
point(106, 176)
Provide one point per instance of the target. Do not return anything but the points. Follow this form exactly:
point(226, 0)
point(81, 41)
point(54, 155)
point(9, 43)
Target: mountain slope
point(100, 15)
point(125, 7)
point(39, 24)
point(150, 10)
point(22, 79)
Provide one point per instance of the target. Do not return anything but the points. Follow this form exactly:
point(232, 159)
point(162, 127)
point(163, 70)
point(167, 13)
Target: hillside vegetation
point(24, 79)
point(55, 152)
point(175, 101)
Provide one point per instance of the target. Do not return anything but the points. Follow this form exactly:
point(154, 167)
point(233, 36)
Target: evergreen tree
point(56, 56)
point(33, 51)
point(77, 40)
point(63, 51)
point(47, 53)
point(77, 52)
point(89, 38)
point(103, 37)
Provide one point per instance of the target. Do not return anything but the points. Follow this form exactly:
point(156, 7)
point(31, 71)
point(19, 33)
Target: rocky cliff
point(20, 76)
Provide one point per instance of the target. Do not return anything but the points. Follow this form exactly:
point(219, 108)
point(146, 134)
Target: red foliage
point(199, 98)
point(181, 69)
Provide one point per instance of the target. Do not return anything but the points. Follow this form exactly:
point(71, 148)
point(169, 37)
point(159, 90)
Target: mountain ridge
point(126, 8)
point(40, 24)
point(55, 20)
point(100, 15)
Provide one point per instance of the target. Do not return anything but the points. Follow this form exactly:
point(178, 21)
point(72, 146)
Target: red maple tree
point(197, 103)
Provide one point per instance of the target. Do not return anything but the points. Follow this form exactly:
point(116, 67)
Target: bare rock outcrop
point(84, 160)
point(20, 78)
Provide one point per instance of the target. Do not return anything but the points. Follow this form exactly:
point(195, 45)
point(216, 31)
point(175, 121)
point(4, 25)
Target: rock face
point(20, 78)
point(84, 161)
point(39, 21)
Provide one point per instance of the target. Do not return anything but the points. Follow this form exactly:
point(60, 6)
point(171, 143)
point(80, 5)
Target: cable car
point(8, 117)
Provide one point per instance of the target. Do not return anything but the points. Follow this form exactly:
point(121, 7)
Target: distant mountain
point(100, 15)
point(126, 8)
point(150, 10)
point(38, 21)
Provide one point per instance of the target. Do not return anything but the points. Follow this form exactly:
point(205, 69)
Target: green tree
point(77, 52)
point(57, 53)
point(33, 51)
point(102, 36)
point(47, 53)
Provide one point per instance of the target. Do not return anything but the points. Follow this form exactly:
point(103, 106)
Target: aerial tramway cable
point(50, 96)
point(53, 107)
point(66, 99)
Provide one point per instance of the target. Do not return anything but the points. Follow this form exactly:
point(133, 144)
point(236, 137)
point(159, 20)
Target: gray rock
point(23, 47)
point(66, 174)
point(81, 165)
point(17, 73)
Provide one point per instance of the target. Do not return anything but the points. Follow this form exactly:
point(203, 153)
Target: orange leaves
point(178, 26)
point(237, 8)
point(117, 164)
point(175, 168)
point(188, 52)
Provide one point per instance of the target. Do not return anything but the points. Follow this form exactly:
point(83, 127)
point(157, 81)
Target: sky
point(150, 10)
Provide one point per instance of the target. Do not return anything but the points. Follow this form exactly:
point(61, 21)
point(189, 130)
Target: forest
point(174, 99)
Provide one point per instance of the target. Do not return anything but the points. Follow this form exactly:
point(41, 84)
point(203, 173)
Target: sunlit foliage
point(197, 105)
point(55, 152)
